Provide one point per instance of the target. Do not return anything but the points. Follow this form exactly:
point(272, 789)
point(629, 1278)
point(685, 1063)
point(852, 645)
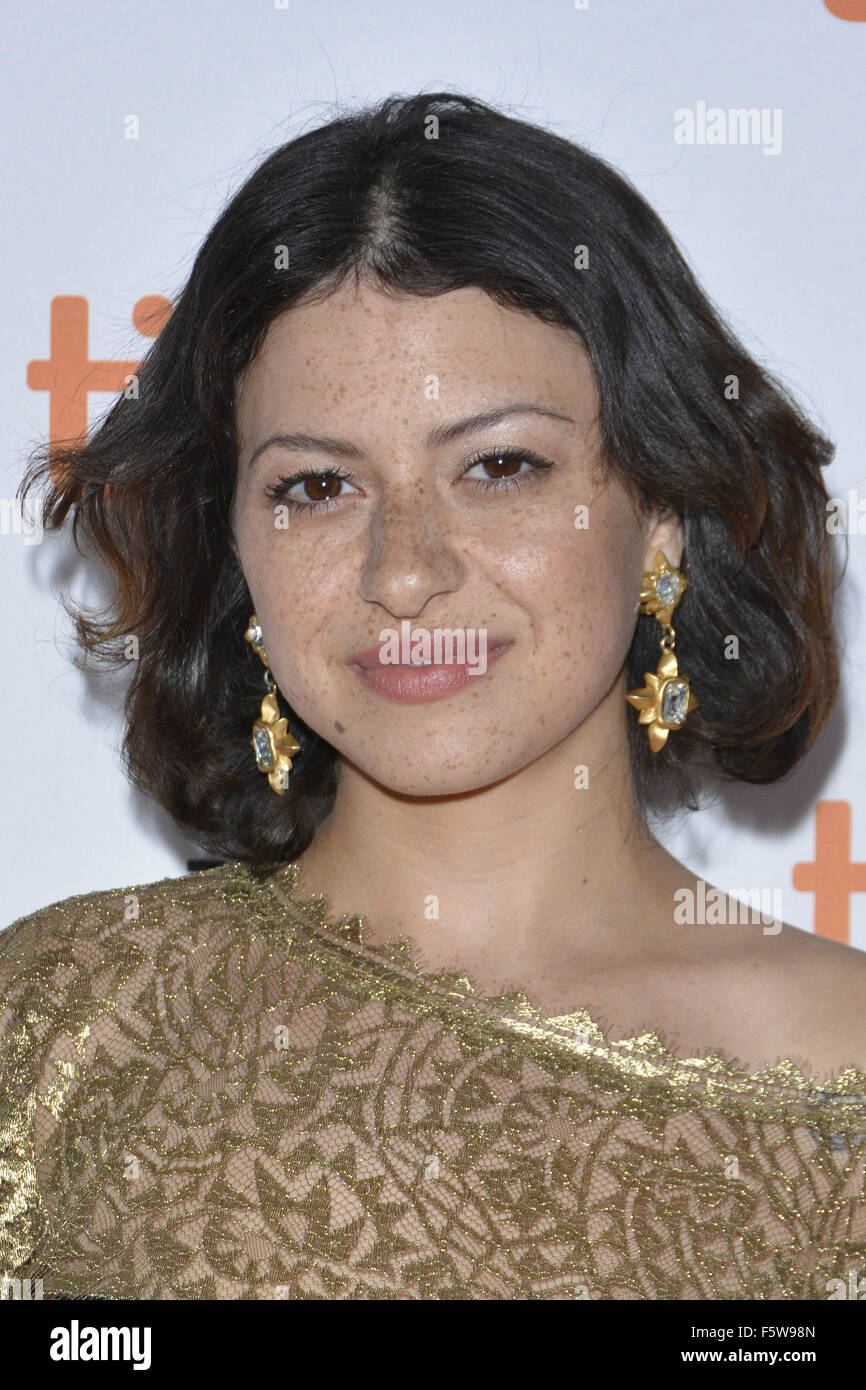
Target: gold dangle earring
point(666, 699)
point(272, 744)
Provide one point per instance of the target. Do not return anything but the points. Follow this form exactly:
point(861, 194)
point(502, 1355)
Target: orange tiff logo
point(847, 9)
point(832, 875)
point(68, 374)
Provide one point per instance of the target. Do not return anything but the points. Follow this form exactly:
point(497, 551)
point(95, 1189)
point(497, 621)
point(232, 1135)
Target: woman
point(437, 1029)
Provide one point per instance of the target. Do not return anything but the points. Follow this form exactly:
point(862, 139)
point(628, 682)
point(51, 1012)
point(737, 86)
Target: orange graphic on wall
point(68, 375)
point(831, 876)
point(847, 9)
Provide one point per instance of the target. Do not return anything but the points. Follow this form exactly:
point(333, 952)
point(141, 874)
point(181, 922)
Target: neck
point(515, 873)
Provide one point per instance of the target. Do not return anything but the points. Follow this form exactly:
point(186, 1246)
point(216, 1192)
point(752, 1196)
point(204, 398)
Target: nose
point(410, 555)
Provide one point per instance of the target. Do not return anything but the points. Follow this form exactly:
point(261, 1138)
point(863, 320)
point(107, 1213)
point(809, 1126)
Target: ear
point(666, 533)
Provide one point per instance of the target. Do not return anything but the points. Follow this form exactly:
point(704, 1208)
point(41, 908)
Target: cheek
point(579, 591)
point(283, 571)
point(301, 604)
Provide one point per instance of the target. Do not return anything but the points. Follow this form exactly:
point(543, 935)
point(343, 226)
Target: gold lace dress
point(209, 1089)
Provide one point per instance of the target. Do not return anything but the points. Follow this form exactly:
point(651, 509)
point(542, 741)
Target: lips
point(368, 659)
point(411, 684)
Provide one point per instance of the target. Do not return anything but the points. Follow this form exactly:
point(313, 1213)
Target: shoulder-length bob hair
point(425, 194)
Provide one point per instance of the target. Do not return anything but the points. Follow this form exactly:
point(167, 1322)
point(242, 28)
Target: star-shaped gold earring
point(664, 701)
point(663, 587)
point(272, 743)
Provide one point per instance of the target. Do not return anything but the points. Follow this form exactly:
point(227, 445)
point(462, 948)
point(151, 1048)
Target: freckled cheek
point(299, 601)
point(582, 614)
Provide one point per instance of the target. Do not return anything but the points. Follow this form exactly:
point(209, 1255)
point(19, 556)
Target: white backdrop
point(127, 127)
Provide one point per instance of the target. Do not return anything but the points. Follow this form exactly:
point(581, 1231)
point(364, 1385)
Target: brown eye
point(507, 468)
point(322, 487)
point(319, 489)
point(503, 465)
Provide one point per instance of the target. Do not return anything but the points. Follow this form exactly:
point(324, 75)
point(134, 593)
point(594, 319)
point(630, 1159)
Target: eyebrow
point(437, 437)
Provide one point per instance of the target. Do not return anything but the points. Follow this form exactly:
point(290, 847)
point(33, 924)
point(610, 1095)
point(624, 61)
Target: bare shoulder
point(805, 997)
point(757, 989)
point(829, 974)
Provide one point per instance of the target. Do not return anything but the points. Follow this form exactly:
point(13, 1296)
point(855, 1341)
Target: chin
point(418, 769)
point(419, 782)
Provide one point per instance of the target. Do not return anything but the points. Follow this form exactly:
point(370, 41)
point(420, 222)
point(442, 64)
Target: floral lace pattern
point(210, 1089)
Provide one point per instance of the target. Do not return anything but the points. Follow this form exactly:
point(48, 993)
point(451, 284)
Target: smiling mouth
point(410, 665)
point(417, 682)
point(369, 661)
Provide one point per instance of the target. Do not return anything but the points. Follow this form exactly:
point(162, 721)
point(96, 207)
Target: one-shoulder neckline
point(280, 908)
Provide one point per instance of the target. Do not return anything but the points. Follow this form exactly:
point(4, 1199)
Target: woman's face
point(416, 531)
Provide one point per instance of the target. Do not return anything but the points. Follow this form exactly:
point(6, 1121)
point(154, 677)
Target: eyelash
point(278, 491)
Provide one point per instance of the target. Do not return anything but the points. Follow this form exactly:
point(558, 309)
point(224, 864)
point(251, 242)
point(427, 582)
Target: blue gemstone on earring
point(263, 750)
point(674, 703)
point(668, 587)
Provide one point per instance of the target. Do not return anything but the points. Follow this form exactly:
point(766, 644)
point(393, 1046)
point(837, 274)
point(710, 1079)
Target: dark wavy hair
point(425, 194)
